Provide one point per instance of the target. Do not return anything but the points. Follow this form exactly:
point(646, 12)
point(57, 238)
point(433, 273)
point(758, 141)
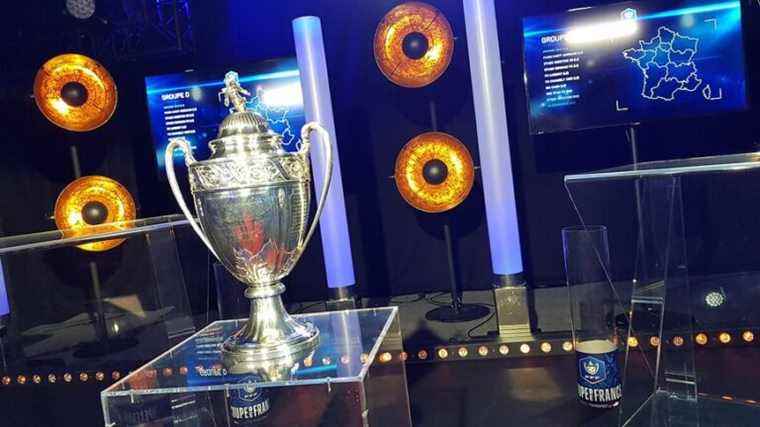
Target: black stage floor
point(540, 391)
point(550, 304)
point(537, 391)
point(516, 392)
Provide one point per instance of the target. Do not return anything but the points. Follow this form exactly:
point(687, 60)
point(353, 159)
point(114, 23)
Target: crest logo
point(629, 14)
point(593, 370)
point(249, 393)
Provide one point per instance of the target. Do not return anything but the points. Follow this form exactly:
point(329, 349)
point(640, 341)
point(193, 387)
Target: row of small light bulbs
point(385, 357)
point(83, 377)
point(443, 353)
point(700, 338)
point(166, 372)
point(503, 349)
point(546, 347)
point(53, 378)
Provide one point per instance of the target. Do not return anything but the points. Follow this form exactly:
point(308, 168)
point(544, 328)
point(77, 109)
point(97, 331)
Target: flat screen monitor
point(187, 105)
point(633, 62)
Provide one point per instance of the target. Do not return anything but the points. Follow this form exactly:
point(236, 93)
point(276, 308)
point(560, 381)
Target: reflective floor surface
point(504, 392)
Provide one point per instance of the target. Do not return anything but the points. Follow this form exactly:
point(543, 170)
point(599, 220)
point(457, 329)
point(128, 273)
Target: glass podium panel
point(682, 237)
point(95, 315)
point(355, 377)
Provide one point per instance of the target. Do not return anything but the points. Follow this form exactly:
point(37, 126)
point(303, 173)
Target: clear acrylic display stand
point(231, 302)
point(663, 213)
point(128, 302)
point(355, 377)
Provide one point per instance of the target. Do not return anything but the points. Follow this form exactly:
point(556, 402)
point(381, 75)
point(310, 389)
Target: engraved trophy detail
point(252, 200)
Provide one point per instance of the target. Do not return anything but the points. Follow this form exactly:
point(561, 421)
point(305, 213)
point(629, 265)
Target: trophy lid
point(245, 123)
point(243, 132)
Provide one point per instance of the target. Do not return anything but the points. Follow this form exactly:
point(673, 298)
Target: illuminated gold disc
point(94, 204)
point(434, 172)
point(413, 44)
point(75, 92)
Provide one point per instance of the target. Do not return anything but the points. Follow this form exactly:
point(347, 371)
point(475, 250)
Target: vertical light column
point(5, 308)
point(312, 65)
point(496, 168)
point(493, 137)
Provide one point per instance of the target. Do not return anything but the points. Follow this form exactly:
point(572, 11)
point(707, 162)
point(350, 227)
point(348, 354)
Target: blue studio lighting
point(493, 137)
point(312, 64)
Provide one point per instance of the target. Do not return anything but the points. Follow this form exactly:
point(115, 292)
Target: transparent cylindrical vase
point(592, 314)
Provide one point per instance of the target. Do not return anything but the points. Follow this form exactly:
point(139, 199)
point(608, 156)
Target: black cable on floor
point(417, 298)
point(487, 319)
point(432, 299)
point(303, 308)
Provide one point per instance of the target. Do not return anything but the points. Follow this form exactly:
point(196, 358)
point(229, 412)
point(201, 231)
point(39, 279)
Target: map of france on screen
point(633, 62)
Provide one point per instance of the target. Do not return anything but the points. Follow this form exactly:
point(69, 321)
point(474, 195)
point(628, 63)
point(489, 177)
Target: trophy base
point(270, 337)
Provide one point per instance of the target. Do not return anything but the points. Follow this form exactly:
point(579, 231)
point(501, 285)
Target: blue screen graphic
point(186, 105)
point(632, 62)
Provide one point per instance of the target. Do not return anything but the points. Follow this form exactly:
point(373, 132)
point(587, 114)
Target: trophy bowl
point(252, 201)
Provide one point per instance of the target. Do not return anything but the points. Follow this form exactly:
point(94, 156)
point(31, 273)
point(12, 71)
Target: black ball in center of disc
point(415, 45)
point(435, 172)
point(74, 94)
point(94, 213)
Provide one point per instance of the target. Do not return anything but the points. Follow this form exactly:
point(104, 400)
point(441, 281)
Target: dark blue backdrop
point(396, 249)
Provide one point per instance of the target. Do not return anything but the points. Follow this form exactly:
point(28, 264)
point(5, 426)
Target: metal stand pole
point(101, 330)
point(456, 297)
point(101, 327)
point(457, 311)
point(75, 162)
point(630, 132)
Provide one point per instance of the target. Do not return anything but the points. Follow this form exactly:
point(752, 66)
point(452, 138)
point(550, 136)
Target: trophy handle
point(305, 145)
point(178, 143)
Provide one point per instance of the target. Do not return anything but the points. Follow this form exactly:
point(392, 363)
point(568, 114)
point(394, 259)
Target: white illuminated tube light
point(4, 306)
point(602, 32)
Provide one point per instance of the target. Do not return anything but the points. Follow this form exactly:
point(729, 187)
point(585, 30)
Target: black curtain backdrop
point(396, 249)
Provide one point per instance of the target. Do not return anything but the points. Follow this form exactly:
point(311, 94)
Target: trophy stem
point(270, 334)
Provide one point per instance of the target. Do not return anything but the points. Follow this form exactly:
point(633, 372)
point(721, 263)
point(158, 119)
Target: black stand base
point(455, 314)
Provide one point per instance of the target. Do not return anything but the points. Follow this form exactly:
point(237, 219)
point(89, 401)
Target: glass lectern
point(684, 241)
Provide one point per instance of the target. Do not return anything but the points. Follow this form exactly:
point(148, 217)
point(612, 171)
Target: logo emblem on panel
point(593, 370)
point(629, 14)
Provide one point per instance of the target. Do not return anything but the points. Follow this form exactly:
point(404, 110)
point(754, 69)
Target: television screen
point(634, 61)
point(187, 105)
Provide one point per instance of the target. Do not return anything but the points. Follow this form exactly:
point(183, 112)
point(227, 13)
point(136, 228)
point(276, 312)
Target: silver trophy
point(252, 199)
